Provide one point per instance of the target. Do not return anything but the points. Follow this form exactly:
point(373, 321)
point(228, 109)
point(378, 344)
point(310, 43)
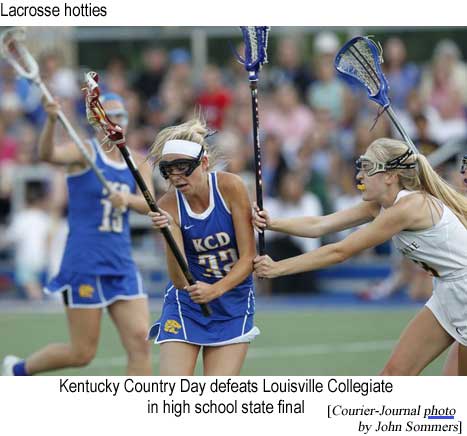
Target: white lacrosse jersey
point(440, 249)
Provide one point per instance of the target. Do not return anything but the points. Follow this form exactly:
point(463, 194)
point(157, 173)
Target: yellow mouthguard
point(361, 187)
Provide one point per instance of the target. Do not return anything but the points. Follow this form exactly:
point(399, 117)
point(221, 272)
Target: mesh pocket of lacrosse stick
point(13, 50)
point(359, 63)
point(256, 44)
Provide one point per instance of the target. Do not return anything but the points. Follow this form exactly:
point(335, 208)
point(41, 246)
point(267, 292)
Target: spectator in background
point(273, 164)
point(180, 72)
point(414, 107)
point(29, 233)
point(175, 95)
point(403, 76)
point(172, 105)
point(8, 154)
point(288, 119)
point(19, 92)
point(449, 52)
point(234, 156)
point(11, 112)
point(288, 68)
point(134, 105)
point(327, 93)
point(214, 98)
point(326, 44)
point(26, 152)
point(423, 140)
point(238, 116)
point(314, 163)
point(8, 145)
point(60, 80)
point(444, 88)
point(149, 80)
point(292, 201)
point(116, 78)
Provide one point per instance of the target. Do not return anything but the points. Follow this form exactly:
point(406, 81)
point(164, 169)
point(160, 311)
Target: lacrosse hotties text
point(67, 10)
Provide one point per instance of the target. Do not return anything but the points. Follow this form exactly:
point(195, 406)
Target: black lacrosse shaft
point(165, 231)
point(257, 150)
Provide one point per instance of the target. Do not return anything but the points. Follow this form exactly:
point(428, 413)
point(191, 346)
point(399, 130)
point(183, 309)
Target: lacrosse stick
point(17, 55)
point(359, 63)
point(114, 133)
point(256, 44)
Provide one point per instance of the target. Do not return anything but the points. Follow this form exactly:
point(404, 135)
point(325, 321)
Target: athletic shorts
point(449, 306)
point(174, 326)
point(91, 291)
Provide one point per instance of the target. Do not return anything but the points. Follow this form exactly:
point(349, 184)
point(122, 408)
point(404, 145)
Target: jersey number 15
point(112, 218)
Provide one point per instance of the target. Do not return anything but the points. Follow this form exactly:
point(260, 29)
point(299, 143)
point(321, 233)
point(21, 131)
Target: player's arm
point(382, 228)
point(67, 154)
point(235, 194)
point(168, 204)
point(317, 226)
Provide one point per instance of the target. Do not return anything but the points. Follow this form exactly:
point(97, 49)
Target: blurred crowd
point(313, 126)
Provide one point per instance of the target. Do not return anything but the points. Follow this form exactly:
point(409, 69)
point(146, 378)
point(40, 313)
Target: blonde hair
point(194, 130)
point(421, 178)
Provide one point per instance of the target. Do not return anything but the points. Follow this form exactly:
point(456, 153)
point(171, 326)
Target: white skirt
point(449, 306)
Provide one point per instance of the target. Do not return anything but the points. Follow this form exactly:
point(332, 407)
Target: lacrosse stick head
point(13, 49)
point(256, 44)
point(95, 112)
point(358, 62)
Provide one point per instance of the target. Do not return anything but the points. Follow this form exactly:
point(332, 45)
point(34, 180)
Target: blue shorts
point(91, 291)
point(174, 326)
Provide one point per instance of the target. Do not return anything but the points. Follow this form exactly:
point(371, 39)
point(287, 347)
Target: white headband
point(180, 146)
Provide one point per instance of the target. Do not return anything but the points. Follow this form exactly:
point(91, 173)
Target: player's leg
point(451, 366)
point(224, 360)
point(131, 317)
point(421, 342)
point(84, 328)
point(178, 358)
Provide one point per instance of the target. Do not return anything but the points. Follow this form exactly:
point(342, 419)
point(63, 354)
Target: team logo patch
point(86, 291)
point(172, 326)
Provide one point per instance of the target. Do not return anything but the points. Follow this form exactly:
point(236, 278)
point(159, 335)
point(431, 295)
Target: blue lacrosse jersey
point(99, 240)
point(211, 251)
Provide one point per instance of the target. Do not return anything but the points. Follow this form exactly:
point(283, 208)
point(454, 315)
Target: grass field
point(296, 342)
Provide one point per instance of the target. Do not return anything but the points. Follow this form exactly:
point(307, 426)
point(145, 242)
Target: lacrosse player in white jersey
point(403, 199)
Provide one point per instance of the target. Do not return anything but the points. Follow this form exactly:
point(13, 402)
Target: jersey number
point(212, 265)
point(112, 218)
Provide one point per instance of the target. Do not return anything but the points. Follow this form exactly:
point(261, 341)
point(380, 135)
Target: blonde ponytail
point(439, 188)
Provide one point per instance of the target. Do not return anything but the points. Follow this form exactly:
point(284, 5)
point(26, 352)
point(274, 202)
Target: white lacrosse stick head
point(16, 54)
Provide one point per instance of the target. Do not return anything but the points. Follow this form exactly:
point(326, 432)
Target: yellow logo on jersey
point(86, 291)
point(172, 326)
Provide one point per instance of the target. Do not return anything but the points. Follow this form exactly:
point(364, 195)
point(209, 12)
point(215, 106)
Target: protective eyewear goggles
point(371, 167)
point(179, 167)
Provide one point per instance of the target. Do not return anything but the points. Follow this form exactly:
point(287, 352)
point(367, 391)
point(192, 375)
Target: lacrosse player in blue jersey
point(209, 214)
point(97, 269)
